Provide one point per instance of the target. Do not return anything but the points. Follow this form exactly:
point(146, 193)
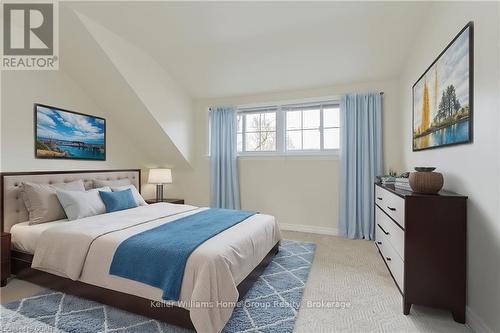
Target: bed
point(75, 257)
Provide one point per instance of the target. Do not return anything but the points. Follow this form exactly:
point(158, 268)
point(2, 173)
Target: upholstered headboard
point(12, 207)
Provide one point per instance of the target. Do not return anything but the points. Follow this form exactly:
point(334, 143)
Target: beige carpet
point(353, 274)
point(352, 283)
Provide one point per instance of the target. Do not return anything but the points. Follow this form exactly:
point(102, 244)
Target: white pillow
point(80, 204)
point(118, 182)
point(139, 200)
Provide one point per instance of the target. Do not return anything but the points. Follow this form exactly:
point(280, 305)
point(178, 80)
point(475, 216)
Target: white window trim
point(313, 100)
point(243, 137)
point(281, 151)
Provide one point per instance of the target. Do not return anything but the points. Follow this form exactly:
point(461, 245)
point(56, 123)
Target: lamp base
point(159, 192)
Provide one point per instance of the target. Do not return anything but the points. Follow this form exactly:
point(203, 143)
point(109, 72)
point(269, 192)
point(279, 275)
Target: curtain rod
point(244, 107)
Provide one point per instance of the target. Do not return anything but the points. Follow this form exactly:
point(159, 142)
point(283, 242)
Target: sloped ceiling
point(217, 49)
point(144, 62)
point(162, 96)
point(86, 62)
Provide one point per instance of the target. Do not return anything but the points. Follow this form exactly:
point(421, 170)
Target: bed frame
point(11, 212)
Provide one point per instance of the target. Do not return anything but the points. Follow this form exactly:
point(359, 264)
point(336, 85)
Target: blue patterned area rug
point(271, 305)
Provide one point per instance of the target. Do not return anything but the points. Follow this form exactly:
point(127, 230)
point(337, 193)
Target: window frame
point(281, 130)
point(243, 132)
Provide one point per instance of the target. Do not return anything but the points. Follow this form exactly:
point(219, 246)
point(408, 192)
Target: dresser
point(173, 201)
point(422, 240)
point(4, 258)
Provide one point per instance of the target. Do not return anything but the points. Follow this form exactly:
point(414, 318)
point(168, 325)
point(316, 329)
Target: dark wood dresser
point(173, 201)
point(422, 240)
point(5, 258)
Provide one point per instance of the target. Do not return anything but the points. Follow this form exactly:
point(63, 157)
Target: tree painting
point(441, 101)
point(449, 104)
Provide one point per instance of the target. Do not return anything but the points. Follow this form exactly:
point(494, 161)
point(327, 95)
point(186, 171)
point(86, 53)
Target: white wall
point(142, 122)
point(1, 139)
point(299, 191)
point(167, 102)
point(20, 90)
point(471, 169)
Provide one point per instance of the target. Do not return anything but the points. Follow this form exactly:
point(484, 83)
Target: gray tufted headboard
point(12, 207)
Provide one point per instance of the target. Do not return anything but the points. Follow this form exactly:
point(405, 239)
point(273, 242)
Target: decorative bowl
point(426, 181)
point(425, 169)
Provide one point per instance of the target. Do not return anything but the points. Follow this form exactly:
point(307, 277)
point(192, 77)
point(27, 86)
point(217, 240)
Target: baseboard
point(309, 228)
point(475, 323)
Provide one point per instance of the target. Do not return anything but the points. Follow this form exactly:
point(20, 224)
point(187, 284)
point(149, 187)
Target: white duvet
point(83, 250)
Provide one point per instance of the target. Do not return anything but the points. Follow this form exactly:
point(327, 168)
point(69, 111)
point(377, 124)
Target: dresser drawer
point(395, 264)
point(392, 232)
point(392, 204)
point(381, 219)
point(5, 250)
point(5, 269)
point(379, 235)
point(381, 241)
point(391, 258)
point(397, 239)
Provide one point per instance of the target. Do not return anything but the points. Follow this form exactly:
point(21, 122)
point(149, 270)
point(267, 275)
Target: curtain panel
point(361, 162)
point(224, 181)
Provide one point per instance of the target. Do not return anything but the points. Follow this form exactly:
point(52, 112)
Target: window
point(256, 131)
point(290, 129)
point(331, 127)
point(312, 128)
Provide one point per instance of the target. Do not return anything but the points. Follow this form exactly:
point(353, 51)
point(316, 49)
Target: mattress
point(24, 237)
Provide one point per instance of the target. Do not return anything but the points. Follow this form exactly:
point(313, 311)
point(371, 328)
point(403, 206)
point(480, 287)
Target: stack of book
point(387, 180)
point(402, 184)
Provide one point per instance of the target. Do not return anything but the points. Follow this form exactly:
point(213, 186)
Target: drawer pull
point(387, 258)
point(391, 208)
point(385, 232)
point(379, 243)
point(379, 198)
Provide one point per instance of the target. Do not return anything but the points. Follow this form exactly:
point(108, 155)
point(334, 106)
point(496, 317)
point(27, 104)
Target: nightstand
point(5, 258)
point(173, 201)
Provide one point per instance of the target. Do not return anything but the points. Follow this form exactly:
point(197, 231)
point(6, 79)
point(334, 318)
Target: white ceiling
point(216, 49)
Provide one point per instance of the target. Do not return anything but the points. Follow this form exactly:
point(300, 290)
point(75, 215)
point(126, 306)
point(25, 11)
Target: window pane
point(311, 139)
point(268, 141)
point(331, 138)
point(239, 121)
point(331, 117)
point(252, 141)
point(252, 122)
point(294, 140)
point(310, 118)
point(306, 129)
point(293, 120)
point(268, 121)
point(239, 142)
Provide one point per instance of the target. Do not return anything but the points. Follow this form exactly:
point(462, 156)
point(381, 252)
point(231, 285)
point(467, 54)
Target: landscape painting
point(442, 97)
point(65, 134)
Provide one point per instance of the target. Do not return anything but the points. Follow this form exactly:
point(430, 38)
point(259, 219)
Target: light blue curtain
point(361, 162)
point(224, 182)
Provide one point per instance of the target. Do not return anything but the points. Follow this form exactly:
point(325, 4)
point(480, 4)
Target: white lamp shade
point(160, 176)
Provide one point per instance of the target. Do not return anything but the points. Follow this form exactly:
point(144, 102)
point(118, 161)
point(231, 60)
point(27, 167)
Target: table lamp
point(160, 177)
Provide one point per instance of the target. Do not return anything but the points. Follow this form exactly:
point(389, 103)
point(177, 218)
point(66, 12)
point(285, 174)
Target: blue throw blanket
point(158, 256)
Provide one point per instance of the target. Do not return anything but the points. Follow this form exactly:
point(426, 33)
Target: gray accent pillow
point(111, 183)
point(41, 200)
point(78, 204)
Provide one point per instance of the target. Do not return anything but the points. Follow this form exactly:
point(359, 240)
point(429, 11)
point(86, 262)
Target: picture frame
point(442, 97)
point(65, 134)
